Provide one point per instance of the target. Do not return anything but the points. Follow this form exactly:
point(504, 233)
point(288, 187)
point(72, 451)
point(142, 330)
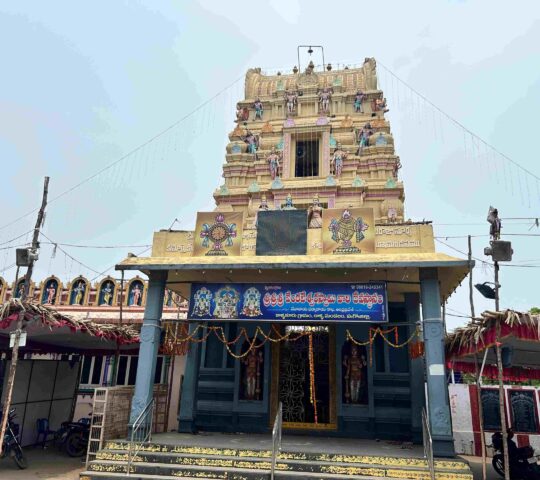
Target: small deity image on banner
point(348, 230)
point(218, 234)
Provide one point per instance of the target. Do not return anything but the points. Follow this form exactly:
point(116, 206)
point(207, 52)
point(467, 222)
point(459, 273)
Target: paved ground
point(43, 464)
point(476, 467)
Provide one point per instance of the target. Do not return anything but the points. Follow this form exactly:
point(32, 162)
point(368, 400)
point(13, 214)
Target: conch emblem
point(343, 231)
point(219, 234)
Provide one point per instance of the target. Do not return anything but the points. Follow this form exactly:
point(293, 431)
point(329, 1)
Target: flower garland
point(312, 391)
point(173, 339)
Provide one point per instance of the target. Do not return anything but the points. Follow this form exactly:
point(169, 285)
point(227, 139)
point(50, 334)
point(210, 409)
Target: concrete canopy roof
point(400, 270)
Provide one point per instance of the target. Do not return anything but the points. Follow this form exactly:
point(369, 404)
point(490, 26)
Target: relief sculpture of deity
point(291, 98)
point(336, 164)
point(315, 214)
point(274, 162)
point(324, 99)
point(258, 106)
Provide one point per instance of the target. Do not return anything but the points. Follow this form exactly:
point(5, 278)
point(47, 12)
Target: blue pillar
point(149, 346)
point(188, 398)
point(438, 401)
point(412, 307)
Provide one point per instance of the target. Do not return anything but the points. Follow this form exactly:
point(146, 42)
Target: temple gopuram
point(307, 286)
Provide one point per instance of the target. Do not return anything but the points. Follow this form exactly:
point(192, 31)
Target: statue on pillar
point(324, 99)
point(358, 99)
point(315, 214)
point(288, 203)
point(252, 374)
point(336, 164)
point(258, 106)
point(291, 99)
point(274, 162)
point(354, 364)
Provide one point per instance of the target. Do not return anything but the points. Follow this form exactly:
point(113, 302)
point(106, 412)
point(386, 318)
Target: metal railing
point(276, 438)
point(428, 444)
point(141, 432)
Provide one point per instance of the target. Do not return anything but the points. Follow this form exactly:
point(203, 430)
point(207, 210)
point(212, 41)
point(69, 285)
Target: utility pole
point(18, 331)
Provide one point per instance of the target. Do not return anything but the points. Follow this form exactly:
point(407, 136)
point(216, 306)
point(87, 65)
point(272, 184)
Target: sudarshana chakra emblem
point(344, 229)
point(219, 234)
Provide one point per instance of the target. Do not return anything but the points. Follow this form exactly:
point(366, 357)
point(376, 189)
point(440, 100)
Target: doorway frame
point(274, 389)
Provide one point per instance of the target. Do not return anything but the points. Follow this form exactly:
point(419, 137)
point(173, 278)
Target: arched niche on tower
point(79, 289)
point(18, 288)
point(135, 293)
point(51, 291)
point(3, 289)
point(106, 292)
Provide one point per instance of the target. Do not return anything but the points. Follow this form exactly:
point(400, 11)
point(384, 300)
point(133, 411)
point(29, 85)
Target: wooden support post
point(18, 331)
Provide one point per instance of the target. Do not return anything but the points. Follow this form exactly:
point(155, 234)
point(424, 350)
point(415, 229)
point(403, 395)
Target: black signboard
point(523, 411)
point(282, 232)
point(490, 409)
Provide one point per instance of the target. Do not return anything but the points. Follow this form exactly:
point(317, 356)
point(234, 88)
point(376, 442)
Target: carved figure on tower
point(51, 294)
point(324, 99)
point(288, 203)
point(252, 142)
point(274, 162)
point(291, 99)
point(336, 164)
point(253, 363)
point(258, 106)
point(242, 114)
point(358, 99)
point(315, 214)
point(354, 366)
point(370, 75)
point(379, 105)
point(363, 137)
point(79, 292)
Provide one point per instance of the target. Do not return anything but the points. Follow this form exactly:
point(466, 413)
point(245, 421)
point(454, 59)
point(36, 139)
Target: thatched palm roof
point(57, 326)
point(481, 333)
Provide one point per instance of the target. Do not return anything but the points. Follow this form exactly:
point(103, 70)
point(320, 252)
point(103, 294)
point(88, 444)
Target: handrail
point(276, 438)
point(428, 444)
point(141, 432)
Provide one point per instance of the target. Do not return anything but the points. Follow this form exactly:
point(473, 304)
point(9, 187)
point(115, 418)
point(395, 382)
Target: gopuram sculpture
point(324, 99)
point(291, 99)
point(358, 99)
point(252, 142)
point(288, 203)
point(258, 106)
point(315, 214)
point(336, 164)
point(274, 162)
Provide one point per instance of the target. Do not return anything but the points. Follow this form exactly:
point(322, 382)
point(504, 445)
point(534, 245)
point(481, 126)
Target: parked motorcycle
point(523, 461)
point(73, 437)
point(11, 446)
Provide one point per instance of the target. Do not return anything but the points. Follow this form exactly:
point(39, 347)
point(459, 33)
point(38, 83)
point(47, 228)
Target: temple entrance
point(305, 377)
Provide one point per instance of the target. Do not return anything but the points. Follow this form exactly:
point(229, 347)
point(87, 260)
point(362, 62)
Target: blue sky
point(83, 84)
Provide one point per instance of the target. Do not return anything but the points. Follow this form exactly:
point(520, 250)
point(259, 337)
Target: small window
point(523, 407)
point(307, 158)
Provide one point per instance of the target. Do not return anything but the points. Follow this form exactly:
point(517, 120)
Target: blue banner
point(290, 302)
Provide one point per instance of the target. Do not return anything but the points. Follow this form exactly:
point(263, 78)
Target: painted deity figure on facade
point(258, 106)
point(242, 114)
point(291, 99)
point(79, 293)
point(263, 207)
point(288, 203)
point(379, 105)
point(354, 366)
point(252, 142)
point(252, 303)
point(107, 293)
point(324, 99)
point(252, 377)
point(315, 214)
point(336, 164)
point(51, 294)
point(274, 162)
point(136, 296)
point(363, 137)
point(226, 300)
point(201, 302)
point(358, 99)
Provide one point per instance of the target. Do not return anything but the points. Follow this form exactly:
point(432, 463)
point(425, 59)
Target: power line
point(136, 149)
point(112, 266)
point(16, 238)
point(96, 246)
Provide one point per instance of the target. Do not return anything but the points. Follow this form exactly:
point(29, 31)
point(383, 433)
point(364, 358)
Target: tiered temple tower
point(306, 117)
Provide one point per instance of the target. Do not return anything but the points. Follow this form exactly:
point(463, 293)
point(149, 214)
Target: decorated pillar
point(286, 168)
point(188, 395)
point(437, 388)
point(412, 307)
point(149, 346)
point(325, 154)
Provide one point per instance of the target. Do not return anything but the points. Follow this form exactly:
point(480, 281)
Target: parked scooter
point(73, 437)
point(523, 461)
point(12, 446)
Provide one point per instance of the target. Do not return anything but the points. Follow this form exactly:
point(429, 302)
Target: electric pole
point(15, 351)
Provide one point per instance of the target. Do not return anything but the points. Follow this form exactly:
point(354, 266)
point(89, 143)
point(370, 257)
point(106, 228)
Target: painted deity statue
point(51, 293)
point(79, 293)
point(363, 137)
point(338, 158)
point(242, 114)
point(358, 99)
point(252, 142)
point(291, 99)
point(310, 68)
point(263, 207)
point(288, 203)
point(107, 294)
point(324, 99)
point(136, 295)
point(315, 214)
point(274, 162)
point(253, 362)
point(258, 106)
point(354, 366)
point(379, 105)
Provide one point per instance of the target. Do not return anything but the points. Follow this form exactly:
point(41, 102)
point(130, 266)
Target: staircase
point(168, 462)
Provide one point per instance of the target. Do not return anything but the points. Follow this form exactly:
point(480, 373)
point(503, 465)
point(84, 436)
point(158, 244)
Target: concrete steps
point(165, 462)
